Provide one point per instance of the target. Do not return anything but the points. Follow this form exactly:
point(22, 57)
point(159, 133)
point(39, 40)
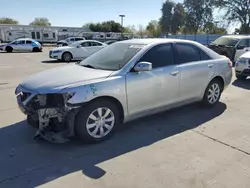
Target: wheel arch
point(111, 99)
point(220, 79)
point(69, 53)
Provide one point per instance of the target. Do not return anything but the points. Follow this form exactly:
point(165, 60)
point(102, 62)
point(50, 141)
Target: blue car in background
point(22, 44)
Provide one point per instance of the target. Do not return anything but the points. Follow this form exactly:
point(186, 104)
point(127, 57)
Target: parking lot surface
point(187, 147)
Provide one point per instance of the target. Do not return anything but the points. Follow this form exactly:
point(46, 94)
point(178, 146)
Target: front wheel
point(213, 93)
point(66, 56)
point(97, 121)
point(9, 49)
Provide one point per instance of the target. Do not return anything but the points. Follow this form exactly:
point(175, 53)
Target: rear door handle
point(210, 65)
point(174, 73)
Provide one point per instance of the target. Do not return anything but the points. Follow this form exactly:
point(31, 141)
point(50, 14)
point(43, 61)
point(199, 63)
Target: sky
point(76, 13)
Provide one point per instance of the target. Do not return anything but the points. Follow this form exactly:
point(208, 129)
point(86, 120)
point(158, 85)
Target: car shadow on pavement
point(245, 84)
point(28, 163)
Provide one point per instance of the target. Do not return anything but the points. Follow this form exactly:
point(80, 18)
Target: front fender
point(111, 87)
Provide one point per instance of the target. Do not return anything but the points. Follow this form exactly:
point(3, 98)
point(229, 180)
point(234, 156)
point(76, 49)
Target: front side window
point(244, 42)
point(160, 56)
point(187, 53)
point(113, 57)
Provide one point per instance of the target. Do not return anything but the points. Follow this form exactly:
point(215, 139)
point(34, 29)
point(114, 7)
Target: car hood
point(54, 80)
point(246, 55)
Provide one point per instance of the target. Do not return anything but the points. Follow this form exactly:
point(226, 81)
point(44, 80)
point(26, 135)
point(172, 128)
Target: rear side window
point(77, 39)
point(204, 56)
point(160, 56)
point(187, 53)
point(96, 44)
point(85, 44)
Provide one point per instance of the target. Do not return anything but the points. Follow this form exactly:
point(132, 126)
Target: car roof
point(25, 39)
point(236, 36)
point(154, 40)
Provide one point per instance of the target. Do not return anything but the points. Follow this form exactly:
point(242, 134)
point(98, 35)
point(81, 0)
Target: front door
point(244, 43)
point(156, 88)
point(196, 69)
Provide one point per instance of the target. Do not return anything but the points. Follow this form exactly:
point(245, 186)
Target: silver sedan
point(124, 81)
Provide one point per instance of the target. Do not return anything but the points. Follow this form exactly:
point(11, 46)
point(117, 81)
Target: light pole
point(122, 16)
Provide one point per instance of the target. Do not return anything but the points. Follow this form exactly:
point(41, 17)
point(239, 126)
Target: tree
point(212, 28)
point(237, 11)
point(198, 13)
point(4, 20)
point(153, 28)
point(167, 14)
point(41, 22)
point(172, 18)
point(108, 26)
point(178, 18)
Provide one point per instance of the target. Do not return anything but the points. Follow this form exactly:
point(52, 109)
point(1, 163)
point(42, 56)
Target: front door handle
point(210, 65)
point(174, 73)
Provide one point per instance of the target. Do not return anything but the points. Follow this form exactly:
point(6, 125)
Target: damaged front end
point(49, 114)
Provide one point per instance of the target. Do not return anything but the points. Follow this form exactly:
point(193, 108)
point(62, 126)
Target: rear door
point(244, 43)
point(196, 69)
point(96, 46)
point(28, 45)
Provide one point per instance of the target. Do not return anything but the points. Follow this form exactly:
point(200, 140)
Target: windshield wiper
point(89, 66)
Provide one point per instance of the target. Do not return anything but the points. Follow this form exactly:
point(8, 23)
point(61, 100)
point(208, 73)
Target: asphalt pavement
point(189, 147)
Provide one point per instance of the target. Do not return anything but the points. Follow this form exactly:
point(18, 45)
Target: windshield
point(112, 57)
point(226, 41)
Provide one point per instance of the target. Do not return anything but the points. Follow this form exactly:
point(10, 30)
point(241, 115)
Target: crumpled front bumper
point(53, 118)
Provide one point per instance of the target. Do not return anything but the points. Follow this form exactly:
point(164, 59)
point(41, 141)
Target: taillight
point(230, 63)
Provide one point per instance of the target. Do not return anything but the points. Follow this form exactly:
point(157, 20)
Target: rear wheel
point(67, 56)
point(240, 77)
point(97, 121)
point(213, 93)
point(35, 49)
point(9, 49)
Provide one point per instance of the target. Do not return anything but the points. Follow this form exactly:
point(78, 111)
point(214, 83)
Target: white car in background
point(21, 45)
point(69, 40)
point(242, 66)
point(76, 51)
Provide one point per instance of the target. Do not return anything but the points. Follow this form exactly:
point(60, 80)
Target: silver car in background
point(122, 82)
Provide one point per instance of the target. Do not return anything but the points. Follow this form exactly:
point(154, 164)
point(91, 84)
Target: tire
point(240, 77)
point(64, 44)
point(33, 123)
point(214, 86)
point(67, 57)
point(9, 49)
point(35, 49)
point(83, 118)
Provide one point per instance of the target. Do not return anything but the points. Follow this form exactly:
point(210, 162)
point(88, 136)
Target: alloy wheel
point(213, 93)
point(100, 122)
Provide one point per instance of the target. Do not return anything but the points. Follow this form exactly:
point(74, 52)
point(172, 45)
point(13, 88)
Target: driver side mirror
point(241, 47)
point(79, 46)
point(143, 66)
